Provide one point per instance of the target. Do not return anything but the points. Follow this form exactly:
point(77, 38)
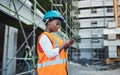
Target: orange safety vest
point(51, 66)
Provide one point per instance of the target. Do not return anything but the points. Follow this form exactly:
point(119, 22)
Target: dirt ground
point(77, 69)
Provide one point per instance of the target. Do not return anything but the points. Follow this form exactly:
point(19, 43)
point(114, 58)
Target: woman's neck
point(48, 30)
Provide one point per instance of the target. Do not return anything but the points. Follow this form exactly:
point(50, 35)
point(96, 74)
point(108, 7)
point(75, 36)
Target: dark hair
point(51, 19)
point(48, 20)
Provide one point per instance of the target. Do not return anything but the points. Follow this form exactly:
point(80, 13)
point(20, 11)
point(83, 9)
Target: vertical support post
point(115, 12)
point(34, 27)
point(34, 36)
point(66, 15)
point(10, 47)
point(5, 52)
point(51, 4)
point(104, 11)
point(91, 52)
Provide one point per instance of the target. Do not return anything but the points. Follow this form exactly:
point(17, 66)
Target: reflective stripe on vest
point(53, 62)
point(56, 45)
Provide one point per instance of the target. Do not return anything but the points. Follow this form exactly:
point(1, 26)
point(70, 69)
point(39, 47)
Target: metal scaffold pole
point(34, 36)
point(51, 4)
point(66, 16)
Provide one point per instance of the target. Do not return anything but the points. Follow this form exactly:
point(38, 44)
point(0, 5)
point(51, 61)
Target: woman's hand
point(71, 41)
point(68, 43)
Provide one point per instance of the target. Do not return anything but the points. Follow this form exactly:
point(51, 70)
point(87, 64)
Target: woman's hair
point(48, 20)
point(51, 19)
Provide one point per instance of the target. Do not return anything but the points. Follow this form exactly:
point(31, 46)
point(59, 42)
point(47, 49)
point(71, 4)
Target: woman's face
point(54, 25)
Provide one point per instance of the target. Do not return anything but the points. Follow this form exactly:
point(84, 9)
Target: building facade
point(93, 16)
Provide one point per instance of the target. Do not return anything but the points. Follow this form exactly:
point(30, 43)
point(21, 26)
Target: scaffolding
point(30, 49)
point(116, 13)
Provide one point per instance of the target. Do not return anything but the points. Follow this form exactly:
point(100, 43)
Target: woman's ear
point(47, 23)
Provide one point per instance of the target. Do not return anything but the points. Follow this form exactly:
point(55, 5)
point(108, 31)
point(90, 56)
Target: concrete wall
point(100, 22)
point(99, 12)
point(93, 3)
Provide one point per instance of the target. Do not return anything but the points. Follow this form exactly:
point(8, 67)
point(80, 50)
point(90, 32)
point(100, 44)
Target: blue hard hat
point(53, 14)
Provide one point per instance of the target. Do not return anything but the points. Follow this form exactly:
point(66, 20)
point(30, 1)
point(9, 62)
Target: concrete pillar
point(10, 47)
point(112, 51)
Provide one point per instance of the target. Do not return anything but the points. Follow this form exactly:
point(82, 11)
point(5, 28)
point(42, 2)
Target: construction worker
point(51, 49)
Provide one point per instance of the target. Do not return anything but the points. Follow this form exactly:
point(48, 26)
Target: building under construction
point(94, 25)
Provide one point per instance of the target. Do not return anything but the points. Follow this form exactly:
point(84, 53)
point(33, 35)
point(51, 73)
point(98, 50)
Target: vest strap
point(53, 62)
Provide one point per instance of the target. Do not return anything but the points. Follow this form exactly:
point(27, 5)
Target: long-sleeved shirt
point(46, 45)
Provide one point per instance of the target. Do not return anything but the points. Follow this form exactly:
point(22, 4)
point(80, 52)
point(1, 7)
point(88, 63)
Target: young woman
point(51, 49)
